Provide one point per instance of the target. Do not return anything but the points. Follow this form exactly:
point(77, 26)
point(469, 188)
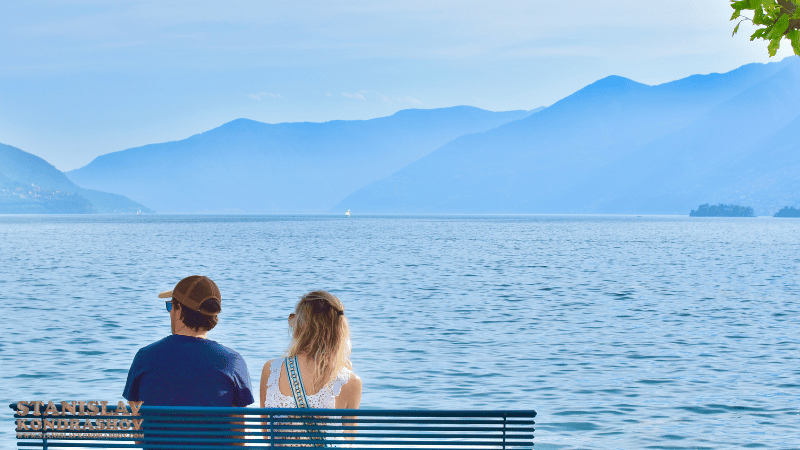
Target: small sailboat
point(347, 213)
point(139, 212)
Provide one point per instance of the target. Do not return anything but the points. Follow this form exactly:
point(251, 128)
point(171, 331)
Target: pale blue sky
point(81, 78)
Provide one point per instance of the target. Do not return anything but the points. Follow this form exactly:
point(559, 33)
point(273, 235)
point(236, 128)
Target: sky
point(82, 78)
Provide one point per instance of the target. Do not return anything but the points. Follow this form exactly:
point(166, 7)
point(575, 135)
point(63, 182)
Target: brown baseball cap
point(193, 291)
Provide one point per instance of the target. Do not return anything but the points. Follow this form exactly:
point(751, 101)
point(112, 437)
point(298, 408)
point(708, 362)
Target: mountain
point(617, 146)
point(771, 165)
point(742, 151)
point(253, 167)
point(30, 185)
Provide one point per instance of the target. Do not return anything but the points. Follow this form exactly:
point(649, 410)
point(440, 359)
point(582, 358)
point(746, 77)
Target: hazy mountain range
point(253, 167)
point(615, 146)
point(30, 185)
point(618, 146)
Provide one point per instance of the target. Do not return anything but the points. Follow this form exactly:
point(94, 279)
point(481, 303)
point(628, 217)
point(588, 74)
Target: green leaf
point(736, 14)
point(773, 47)
point(794, 37)
point(736, 29)
point(779, 28)
point(768, 3)
point(758, 17)
point(742, 4)
point(775, 12)
point(755, 4)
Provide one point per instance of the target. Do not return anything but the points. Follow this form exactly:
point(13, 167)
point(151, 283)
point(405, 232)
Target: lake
point(620, 331)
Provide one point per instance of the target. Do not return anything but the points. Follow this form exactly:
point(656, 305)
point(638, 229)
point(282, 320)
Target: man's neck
point(186, 331)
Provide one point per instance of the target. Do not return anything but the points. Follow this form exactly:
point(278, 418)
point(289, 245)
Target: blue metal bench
point(200, 428)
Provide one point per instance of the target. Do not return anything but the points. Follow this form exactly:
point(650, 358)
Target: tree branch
point(789, 8)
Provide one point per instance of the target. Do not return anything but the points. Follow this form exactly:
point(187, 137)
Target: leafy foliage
point(722, 210)
point(777, 19)
point(788, 211)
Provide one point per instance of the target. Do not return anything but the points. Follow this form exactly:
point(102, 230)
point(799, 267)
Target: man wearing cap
point(187, 368)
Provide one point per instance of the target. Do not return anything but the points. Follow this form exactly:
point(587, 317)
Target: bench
point(176, 427)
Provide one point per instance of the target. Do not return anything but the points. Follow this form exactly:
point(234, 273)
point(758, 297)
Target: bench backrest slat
point(160, 427)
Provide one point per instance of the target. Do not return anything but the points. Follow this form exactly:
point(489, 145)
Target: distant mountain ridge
point(617, 146)
point(254, 167)
point(30, 185)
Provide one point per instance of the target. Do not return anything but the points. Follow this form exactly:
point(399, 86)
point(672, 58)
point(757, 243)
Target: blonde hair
point(320, 331)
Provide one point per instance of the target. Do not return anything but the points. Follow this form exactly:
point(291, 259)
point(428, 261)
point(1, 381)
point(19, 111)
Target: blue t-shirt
point(187, 371)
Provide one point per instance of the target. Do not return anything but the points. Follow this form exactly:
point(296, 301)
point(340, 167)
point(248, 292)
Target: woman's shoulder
point(272, 365)
point(350, 389)
point(347, 379)
point(353, 380)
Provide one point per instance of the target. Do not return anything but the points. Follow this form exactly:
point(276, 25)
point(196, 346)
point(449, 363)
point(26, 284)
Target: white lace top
point(325, 398)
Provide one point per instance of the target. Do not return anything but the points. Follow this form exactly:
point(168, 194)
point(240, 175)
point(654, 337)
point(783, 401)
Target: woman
point(320, 342)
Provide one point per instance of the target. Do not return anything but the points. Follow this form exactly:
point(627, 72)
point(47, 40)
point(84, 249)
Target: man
point(187, 368)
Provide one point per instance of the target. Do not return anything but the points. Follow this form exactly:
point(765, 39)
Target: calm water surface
point(622, 332)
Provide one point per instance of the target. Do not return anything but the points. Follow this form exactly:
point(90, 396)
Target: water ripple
point(622, 332)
